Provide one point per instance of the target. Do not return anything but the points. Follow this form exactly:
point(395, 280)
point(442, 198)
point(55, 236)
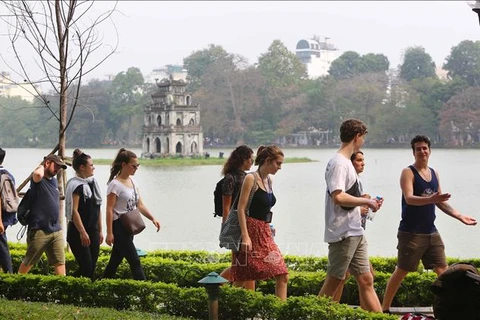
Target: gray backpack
point(8, 193)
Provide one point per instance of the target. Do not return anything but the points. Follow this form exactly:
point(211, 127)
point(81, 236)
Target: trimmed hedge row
point(169, 299)
point(414, 291)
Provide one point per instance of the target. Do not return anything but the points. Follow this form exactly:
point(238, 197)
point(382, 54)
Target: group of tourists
point(251, 195)
point(83, 215)
point(346, 209)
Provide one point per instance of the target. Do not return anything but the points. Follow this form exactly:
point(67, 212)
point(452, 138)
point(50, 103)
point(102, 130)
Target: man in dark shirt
point(418, 238)
point(44, 229)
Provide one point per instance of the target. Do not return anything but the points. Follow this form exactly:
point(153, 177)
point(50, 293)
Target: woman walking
point(240, 160)
point(259, 257)
point(122, 197)
point(82, 211)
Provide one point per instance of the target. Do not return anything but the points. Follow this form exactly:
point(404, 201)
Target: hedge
point(164, 298)
point(185, 268)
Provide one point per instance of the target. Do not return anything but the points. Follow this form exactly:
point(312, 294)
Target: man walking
point(347, 248)
point(418, 238)
point(44, 229)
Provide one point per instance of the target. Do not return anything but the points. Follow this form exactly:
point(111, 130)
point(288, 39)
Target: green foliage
point(350, 64)
point(280, 66)
point(199, 62)
point(12, 309)
point(464, 62)
point(417, 64)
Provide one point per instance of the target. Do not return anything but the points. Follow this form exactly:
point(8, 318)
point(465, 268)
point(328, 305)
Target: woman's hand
point(100, 237)
point(246, 244)
point(85, 239)
point(109, 239)
point(156, 223)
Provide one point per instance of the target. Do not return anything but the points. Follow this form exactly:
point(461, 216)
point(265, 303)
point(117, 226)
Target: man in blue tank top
point(44, 230)
point(418, 238)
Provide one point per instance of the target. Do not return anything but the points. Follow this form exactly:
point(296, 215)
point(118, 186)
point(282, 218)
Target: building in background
point(177, 71)
point(172, 122)
point(10, 88)
point(316, 55)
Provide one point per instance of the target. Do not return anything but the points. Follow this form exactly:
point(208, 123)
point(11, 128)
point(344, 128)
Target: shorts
point(39, 241)
point(413, 247)
point(349, 254)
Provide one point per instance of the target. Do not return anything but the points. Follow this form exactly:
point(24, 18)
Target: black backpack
point(457, 293)
point(217, 197)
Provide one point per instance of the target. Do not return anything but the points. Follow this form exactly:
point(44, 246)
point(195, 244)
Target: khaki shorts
point(349, 254)
point(414, 247)
point(38, 242)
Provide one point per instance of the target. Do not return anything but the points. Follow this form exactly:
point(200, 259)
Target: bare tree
point(59, 39)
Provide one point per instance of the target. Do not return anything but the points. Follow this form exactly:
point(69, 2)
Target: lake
point(182, 199)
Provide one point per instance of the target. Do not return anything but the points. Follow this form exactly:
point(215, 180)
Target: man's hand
point(469, 221)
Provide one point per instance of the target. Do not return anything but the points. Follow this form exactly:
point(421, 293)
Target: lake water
point(182, 199)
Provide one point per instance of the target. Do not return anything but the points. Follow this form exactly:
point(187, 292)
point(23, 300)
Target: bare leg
point(23, 269)
point(226, 274)
point(439, 270)
point(392, 287)
point(330, 285)
point(249, 285)
point(338, 294)
point(368, 296)
point(281, 286)
point(60, 270)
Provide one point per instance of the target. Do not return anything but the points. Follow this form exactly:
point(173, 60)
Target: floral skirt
point(264, 261)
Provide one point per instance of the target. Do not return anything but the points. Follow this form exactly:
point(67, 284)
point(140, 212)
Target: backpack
point(217, 197)
point(457, 293)
point(8, 193)
point(23, 210)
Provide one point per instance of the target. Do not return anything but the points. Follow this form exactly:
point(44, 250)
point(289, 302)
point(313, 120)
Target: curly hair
point(350, 128)
point(237, 159)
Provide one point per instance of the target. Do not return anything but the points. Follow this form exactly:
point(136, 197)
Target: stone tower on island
point(172, 122)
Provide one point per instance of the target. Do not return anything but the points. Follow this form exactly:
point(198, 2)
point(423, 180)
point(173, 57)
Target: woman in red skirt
point(259, 257)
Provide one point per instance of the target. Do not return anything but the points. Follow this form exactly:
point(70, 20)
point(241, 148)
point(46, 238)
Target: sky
point(152, 34)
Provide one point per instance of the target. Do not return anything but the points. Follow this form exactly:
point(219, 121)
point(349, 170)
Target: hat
point(56, 159)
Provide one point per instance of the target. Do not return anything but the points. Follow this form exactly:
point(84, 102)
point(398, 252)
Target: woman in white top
point(122, 197)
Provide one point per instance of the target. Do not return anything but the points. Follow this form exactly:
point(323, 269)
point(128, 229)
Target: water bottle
point(371, 214)
point(272, 229)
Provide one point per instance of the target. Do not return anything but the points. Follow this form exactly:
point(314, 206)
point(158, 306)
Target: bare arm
point(406, 183)
point(226, 204)
point(449, 210)
point(100, 227)
point(38, 173)
point(344, 199)
point(2, 228)
point(111, 201)
point(242, 204)
point(147, 214)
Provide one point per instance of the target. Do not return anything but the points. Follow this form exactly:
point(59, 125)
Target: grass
point(15, 310)
point(177, 161)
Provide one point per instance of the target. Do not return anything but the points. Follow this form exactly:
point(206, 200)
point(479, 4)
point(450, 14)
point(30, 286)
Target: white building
point(177, 71)
point(316, 55)
point(9, 88)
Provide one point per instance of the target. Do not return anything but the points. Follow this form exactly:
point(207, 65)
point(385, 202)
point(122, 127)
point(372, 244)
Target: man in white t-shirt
point(347, 248)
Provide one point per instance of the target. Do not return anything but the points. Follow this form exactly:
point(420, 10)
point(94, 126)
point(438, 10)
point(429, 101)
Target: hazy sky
point(155, 33)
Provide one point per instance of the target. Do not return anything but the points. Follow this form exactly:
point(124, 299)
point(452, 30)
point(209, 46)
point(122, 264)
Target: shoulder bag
point(132, 220)
point(230, 233)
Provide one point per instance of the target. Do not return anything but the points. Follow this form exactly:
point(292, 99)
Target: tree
point(464, 62)
point(460, 119)
point(199, 61)
point(350, 64)
point(62, 38)
point(281, 67)
point(417, 64)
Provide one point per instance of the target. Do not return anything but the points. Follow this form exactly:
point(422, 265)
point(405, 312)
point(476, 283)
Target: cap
point(56, 159)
